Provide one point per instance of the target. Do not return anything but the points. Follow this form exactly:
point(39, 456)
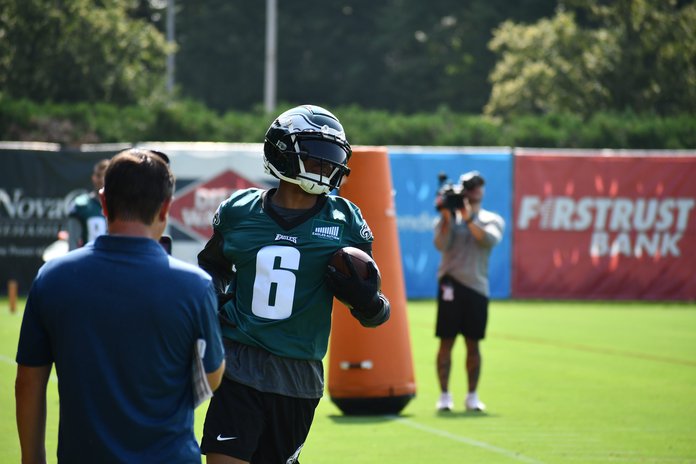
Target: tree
point(81, 51)
point(550, 66)
point(656, 69)
point(221, 52)
point(435, 53)
point(635, 55)
point(405, 55)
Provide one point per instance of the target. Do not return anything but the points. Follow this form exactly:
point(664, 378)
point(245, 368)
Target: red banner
point(596, 226)
point(193, 208)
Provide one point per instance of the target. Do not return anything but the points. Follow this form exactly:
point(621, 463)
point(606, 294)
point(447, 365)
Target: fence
point(591, 224)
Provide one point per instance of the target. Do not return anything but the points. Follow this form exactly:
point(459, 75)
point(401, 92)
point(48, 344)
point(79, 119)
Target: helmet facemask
point(316, 165)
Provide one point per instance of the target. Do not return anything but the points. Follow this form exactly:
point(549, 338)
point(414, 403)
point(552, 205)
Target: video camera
point(453, 195)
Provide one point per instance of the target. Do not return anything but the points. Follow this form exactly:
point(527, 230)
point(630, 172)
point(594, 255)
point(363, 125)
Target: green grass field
point(564, 382)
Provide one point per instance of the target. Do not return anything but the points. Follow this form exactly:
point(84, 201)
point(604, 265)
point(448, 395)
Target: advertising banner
point(206, 174)
point(37, 185)
point(605, 225)
point(415, 173)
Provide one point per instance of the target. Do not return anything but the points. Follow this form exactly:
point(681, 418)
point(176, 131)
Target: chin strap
point(312, 187)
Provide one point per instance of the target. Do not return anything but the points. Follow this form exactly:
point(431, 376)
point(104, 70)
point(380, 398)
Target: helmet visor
point(324, 150)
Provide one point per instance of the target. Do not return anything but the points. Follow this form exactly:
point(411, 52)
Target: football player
point(85, 218)
point(268, 257)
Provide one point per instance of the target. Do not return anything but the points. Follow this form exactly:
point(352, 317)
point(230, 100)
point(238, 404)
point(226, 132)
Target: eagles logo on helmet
point(307, 146)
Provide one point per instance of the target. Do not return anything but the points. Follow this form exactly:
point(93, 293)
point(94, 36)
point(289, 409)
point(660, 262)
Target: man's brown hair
point(136, 184)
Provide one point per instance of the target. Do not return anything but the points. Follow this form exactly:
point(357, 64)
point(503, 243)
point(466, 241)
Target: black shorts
point(254, 426)
point(460, 310)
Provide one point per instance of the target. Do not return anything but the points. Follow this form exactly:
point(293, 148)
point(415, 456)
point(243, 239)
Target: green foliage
point(184, 120)
point(187, 120)
point(247, 127)
point(400, 55)
point(80, 51)
point(656, 69)
point(607, 130)
point(552, 66)
point(441, 128)
point(550, 130)
point(637, 55)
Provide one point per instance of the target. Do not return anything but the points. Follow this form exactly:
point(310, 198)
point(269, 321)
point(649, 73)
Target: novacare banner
point(605, 225)
point(38, 183)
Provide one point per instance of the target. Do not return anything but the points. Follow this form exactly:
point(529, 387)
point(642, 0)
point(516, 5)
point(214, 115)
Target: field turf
point(565, 382)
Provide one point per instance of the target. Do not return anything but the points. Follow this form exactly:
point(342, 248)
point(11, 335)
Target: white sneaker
point(445, 403)
point(473, 403)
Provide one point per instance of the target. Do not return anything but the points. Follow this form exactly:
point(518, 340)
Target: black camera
point(452, 194)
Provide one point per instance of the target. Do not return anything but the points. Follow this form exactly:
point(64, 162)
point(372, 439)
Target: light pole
point(170, 42)
point(269, 91)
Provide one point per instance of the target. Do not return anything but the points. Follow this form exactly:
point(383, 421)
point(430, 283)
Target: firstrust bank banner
point(604, 225)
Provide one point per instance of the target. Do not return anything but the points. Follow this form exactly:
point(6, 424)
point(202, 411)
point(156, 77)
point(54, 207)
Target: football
point(359, 258)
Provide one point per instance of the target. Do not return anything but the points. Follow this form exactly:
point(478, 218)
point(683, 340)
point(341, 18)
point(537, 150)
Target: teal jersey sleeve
point(235, 208)
point(282, 303)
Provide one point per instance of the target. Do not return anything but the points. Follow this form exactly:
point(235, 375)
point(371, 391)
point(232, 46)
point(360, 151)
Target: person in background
point(277, 302)
point(126, 326)
point(85, 219)
point(464, 235)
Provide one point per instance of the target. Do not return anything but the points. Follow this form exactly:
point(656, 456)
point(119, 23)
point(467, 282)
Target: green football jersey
point(88, 211)
point(282, 303)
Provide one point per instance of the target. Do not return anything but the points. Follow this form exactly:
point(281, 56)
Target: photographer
point(465, 233)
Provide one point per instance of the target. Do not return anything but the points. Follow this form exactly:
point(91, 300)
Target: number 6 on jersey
point(274, 288)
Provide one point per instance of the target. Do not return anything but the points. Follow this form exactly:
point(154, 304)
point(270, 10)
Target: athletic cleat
point(473, 403)
point(445, 403)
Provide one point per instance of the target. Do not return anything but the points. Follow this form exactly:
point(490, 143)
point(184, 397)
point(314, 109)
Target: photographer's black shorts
point(254, 426)
point(461, 311)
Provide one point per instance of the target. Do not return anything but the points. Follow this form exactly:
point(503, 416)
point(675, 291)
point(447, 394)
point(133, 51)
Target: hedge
point(186, 120)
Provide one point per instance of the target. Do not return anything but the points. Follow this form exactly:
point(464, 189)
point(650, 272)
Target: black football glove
point(355, 292)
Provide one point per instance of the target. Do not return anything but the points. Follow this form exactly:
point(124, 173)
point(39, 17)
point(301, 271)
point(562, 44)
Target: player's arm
point(212, 260)
point(215, 377)
point(30, 396)
point(362, 296)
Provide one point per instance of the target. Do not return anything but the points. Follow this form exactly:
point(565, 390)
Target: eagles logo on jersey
point(366, 233)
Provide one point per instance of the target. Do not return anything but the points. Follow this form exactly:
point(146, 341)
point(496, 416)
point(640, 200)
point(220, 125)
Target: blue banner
point(415, 177)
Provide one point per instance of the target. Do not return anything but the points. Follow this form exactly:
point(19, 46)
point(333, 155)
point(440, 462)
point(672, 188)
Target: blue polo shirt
point(120, 319)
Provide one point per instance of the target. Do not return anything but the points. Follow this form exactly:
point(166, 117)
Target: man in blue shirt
point(121, 320)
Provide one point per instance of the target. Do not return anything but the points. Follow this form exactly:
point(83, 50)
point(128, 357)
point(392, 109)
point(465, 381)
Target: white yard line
point(469, 441)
